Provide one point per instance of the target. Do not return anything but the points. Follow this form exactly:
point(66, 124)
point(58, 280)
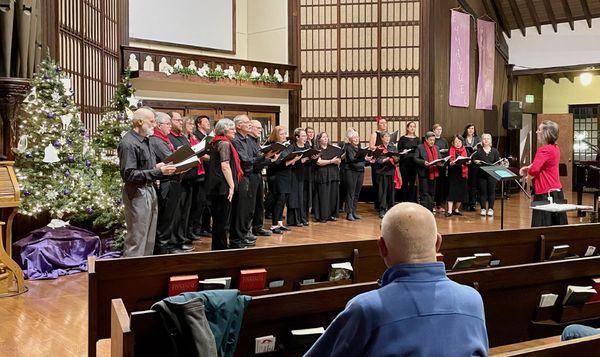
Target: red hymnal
point(253, 279)
point(182, 283)
point(439, 257)
point(596, 286)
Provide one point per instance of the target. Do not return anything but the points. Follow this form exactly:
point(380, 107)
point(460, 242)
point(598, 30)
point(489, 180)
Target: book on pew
point(340, 271)
point(182, 284)
point(559, 252)
point(275, 147)
point(547, 300)
point(464, 262)
point(303, 339)
point(264, 344)
point(596, 287)
point(276, 283)
point(590, 251)
point(578, 295)
point(252, 279)
point(482, 260)
point(331, 151)
point(215, 283)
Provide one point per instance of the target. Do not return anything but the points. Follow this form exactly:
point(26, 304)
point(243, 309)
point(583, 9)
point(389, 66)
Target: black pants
point(487, 191)
point(269, 197)
point(198, 209)
point(543, 218)
point(441, 187)
point(241, 212)
point(472, 185)
point(168, 198)
point(258, 214)
point(353, 183)
point(280, 199)
point(181, 222)
point(374, 188)
point(385, 192)
point(221, 211)
point(408, 192)
point(426, 192)
point(342, 194)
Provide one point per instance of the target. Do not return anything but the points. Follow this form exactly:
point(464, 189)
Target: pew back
point(587, 346)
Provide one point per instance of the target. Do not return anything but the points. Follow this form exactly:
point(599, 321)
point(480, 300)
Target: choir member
point(545, 174)
point(426, 153)
point(296, 216)
point(458, 174)
point(223, 177)
point(243, 200)
point(441, 189)
point(355, 170)
point(280, 179)
point(202, 228)
point(327, 180)
point(309, 177)
point(310, 136)
point(257, 184)
point(486, 154)
point(408, 169)
point(387, 174)
point(471, 142)
point(180, 225)
point(139, 170)
point(375, 141)
point(196, 177)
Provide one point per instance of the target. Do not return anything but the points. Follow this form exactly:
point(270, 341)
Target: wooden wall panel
point(530, 85)
point(358, 60)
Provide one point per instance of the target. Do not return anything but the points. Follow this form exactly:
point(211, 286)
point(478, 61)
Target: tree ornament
point(23, 143)
point(67, 174)
point(66, 121)
point(50, 155)
point(89, 210)
point(58, 69)
point(50, 115)
point(69, 141)
point(26, 193)
point(66, 192)
point(88, 163)
point(57, 144)
point(71, 158)
point(29, 155)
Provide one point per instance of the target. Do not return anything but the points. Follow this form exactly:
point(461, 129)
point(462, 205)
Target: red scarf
point(397, 177)
point(432, 155)
point(163, 137)
point(461, 152)
point(234, 153)
point(194, 141)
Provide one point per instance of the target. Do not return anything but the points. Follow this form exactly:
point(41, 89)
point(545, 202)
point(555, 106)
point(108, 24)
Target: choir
point(306, 175)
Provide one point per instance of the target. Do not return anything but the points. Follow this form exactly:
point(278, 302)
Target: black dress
point(280, 184)
point(308, 186)
point(441, 189)
point(296, 198)
point(472, 183)
point(457, 184)
point(374, 175)
point(327, 184)
point(408, 169)
point(385, 182)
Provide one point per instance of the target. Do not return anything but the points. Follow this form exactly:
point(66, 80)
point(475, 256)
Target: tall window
point(359, 59)
point(585, 131)
point(89, 52)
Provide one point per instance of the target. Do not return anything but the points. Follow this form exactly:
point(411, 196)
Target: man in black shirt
point(139, 171)
point(256, 181)
point(200, 224)
point(244, 199)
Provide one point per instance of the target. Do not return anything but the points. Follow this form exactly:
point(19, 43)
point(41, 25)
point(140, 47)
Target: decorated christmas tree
point(53, 157)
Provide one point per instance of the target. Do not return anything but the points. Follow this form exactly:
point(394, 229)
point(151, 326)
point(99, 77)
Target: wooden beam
point(569, 14)
point(554, 77)
point(517, 15)
point(550, 13)
point(586, 12)
point(534, 16)
point(570, 76)
point(541, 78)
point(501, 18)
point(562, 69)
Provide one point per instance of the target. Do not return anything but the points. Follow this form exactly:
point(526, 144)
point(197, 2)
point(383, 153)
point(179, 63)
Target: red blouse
point(544, 169)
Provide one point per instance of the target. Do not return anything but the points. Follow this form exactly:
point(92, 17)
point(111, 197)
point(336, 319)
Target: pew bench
point(552, 347)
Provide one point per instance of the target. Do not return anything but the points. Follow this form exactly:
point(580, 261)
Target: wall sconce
point(586, 78)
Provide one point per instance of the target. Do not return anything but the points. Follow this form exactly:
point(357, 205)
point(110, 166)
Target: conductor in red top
point(544, 172)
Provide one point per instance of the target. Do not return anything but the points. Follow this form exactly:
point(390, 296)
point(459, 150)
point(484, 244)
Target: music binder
point(310, 153)
point(275, 147)
point(463, 159)
point(442, 160)
point(331, 151)
point(294, 154)
point(394, 137)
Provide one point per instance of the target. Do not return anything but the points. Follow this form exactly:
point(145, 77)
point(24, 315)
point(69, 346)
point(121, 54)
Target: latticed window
point(359, 59)
point(585, 131)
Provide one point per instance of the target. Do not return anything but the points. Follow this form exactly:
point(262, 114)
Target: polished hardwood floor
point(51, 318)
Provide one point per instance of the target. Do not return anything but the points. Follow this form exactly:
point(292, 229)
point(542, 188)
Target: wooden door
point(267, 120)
point(210, 113)
point(565, 142)
point(231, 113)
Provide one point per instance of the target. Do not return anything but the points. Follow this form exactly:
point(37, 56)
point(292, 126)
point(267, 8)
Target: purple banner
point(459, 59)
point(486, 37)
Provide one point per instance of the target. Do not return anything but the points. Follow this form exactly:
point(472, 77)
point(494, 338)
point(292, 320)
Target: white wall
point(268, 30)
point(551, 49)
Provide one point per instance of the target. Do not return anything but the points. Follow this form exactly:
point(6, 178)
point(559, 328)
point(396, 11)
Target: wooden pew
point(510, 294)
point(274, 314)
point(587, 346)
point(139, 282)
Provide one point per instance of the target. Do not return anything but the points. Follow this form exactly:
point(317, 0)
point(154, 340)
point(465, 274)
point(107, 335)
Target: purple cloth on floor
point(48, 253)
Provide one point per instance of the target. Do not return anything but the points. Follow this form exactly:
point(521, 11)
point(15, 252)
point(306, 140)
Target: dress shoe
point(177, 251)
point(205, 234)
point(284, 228)
point(262, 232)
point(250, 236)
point(306, 224)
point(356, 216)
point(237, 246)
point(249, 242)
point(350, 217)
point(457, 213)
point(333, 219)
point(448, 214)
point(276, 230)
point(321, 220)
point(187, 247)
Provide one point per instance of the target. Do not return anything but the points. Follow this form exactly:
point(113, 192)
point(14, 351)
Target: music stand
point(500, 173)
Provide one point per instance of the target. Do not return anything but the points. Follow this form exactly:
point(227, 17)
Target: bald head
point(143, 121)
point(408, 235)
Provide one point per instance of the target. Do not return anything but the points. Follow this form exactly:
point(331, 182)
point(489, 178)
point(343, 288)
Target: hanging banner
point(459, 59)
point(486, 37)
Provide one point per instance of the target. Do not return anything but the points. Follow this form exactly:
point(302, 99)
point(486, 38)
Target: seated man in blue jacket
point(417, 311)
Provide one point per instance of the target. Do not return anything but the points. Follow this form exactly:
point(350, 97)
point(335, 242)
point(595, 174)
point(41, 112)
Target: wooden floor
point(51, 318)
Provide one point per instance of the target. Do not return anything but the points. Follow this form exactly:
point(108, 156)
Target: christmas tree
point(53, 157)
point(107, 211)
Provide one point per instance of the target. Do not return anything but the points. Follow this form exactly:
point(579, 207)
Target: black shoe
point(250, 236)
point(261, 232)
point(332, 218)
point(237, 246)
point(177, 251)
point(249, 242)
point(284, 228)
point(381, 214)
point(194, 238)
point(187, 247)
point(321, 220)
point(448, 214)
point(457, 213)
point(350, 217)
point(299, 224)
point(470, 209)
point(205, 234)
point(276, 230)
point(356, 216)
